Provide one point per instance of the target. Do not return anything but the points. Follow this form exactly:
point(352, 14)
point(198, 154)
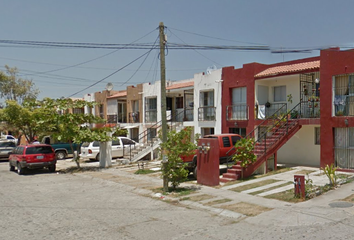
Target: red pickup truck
point(227, 143)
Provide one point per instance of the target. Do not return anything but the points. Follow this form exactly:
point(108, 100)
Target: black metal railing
point(271, 130)
point(237, 112)
point(206, 114)
point(269, 109)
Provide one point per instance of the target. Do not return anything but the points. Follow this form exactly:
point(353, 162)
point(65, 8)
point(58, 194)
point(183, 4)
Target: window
point(344, 147)
point(343, 90)
point(280, 94)
point(116, 142)
point(207, 99)
point(239, 131)
point(317, 135)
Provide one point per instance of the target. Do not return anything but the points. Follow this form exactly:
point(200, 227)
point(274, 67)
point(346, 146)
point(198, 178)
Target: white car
point(91, 150)
point(8, 138)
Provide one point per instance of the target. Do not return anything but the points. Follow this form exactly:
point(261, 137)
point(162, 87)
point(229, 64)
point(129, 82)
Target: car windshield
point(7, 144)
point(39, 150)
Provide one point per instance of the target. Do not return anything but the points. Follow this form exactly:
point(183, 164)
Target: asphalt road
point(43, 205)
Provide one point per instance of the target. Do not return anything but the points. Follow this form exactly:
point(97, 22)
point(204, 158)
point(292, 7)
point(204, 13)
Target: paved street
point(117, 204)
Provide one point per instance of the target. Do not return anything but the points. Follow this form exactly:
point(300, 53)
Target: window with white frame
point(239, 103)
point(279, 94)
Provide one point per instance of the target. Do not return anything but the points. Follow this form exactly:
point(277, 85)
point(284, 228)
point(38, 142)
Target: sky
point(73, 72)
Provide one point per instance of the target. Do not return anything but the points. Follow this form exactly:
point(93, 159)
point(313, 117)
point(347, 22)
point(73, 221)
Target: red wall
point(333, 62)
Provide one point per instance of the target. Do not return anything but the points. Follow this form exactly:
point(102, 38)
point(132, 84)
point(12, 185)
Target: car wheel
point(98, 157)
point(60, 155)
point(195, 172)
point(51, 168)
point(20, 170)
point(12, 168)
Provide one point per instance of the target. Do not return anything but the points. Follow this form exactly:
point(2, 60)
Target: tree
point(53, 117)
point(178, 144)
point(14, 88)
point(76, 127)
point(27, 118)
point(244, 152)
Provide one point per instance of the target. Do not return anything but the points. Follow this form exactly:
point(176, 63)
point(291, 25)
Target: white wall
point(90, 97)
point(112, 106)
point(152, 90)
point(292, 83)
point(202, 82)
point(301, 148)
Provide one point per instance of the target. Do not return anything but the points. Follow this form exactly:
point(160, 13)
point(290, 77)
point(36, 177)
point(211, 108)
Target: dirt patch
point(349, 198)
point(287, 196)
point(305, 172)
point(247, 209)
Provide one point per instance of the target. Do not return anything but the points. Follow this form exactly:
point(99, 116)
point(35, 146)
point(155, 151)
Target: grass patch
point(254, 185)
point(79, 170)
point(271, 188)
point(144, 171)
point(178, 192)
point(219, 201)
point(198, 198)
point(247, 209)
point(286, 196)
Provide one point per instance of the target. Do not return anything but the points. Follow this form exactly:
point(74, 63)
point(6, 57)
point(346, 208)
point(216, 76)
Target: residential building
point(312, 96)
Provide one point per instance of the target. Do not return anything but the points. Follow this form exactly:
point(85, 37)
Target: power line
point(112, 73)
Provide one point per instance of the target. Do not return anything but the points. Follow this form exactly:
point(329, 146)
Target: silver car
point(6, 147)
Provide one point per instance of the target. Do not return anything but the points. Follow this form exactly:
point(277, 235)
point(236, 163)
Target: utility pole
point(163, 97)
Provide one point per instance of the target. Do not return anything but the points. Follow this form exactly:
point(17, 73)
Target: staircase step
point(234, 170)
point(225, 180)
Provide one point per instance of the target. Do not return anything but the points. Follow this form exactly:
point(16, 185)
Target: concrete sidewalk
point(142, 184)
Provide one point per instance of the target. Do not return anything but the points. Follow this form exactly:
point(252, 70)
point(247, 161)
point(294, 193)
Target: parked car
point(120, 146)
point(9, 138)
point(31, 157)
point(62, 149)
point(227, 143)
point(6, 147)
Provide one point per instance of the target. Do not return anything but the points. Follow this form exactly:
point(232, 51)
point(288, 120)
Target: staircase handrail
point(157, 125)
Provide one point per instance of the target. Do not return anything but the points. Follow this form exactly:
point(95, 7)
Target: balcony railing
point(134, 117)
point(237, 112)
point(112, 118)
point(206, 114)
point(310, 108)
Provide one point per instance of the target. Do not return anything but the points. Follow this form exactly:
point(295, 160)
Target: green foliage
point(330, 172)
point(244, 152)
point(178, 144)
point(14, 88)
point(54, 117)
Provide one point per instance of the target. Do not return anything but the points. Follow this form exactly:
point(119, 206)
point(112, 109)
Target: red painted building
point(303, 110)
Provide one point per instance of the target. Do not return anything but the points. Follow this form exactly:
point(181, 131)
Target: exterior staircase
point(279, 131)
point(150, 145)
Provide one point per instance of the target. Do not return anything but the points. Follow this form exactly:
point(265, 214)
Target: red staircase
point(266, 145)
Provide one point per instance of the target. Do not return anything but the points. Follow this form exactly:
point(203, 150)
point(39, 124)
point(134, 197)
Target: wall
point(90, 97)
point(333, 62)
point(301, 148)
point(135, 94)
point(208, 82)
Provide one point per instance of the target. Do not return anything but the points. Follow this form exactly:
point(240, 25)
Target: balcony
point(206, 114)
point(237, 112)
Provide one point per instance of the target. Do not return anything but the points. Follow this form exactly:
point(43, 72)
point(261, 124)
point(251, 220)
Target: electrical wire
point(194, 49)
point(112, 73)
point(91, 60)
point(140, 64)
